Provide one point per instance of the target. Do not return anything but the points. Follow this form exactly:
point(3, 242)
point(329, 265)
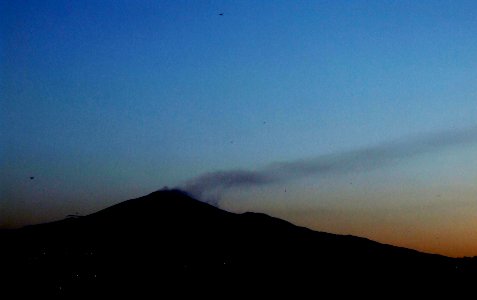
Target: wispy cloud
point(362, 159)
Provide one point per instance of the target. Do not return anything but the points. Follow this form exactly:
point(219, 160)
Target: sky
point(351, 117)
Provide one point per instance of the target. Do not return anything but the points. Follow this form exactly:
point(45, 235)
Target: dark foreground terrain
point(167, 245)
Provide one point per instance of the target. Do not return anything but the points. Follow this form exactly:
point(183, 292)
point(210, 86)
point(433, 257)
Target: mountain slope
point(169, 242)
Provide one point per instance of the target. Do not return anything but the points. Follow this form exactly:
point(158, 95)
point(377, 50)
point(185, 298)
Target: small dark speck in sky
point(31, 177)
point(221, 14)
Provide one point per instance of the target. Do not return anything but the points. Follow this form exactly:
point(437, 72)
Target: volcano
point(168, 242)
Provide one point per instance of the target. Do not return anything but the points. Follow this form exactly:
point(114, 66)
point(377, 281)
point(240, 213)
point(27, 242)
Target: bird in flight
point(31, 177)
point(221, 14)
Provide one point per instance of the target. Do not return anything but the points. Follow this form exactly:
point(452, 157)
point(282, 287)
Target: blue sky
point(106, 100)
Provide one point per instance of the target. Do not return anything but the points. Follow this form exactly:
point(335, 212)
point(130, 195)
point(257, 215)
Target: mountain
point(168, 242)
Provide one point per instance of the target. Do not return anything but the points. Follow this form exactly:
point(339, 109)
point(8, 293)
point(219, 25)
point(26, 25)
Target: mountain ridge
point(170, 239)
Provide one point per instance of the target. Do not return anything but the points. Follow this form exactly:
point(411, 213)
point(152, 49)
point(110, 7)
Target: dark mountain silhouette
point(167, 242)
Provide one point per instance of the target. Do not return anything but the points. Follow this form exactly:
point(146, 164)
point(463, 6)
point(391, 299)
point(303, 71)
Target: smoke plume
point(364, 159)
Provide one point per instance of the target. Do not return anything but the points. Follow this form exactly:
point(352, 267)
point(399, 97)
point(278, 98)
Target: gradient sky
point(102, 101)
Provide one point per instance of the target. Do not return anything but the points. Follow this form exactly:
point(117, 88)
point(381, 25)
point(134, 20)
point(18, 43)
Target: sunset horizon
point(354, 118)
